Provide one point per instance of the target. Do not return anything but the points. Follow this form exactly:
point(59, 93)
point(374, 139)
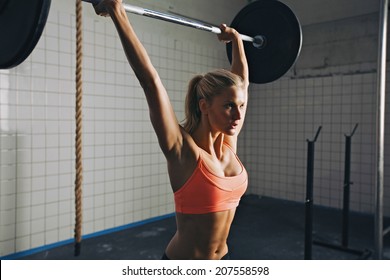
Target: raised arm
point(240, 67)
point(161, 112)
point(239, 63)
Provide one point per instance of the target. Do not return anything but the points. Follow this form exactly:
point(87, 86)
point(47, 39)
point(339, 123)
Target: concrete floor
point(263, 229)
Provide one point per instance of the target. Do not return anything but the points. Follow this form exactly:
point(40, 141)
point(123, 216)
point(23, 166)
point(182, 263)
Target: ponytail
point(192, 111)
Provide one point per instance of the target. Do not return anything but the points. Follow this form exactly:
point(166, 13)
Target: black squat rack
point(344, 246)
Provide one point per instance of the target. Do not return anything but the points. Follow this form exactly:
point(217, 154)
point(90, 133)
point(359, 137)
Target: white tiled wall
point(287, 113)
point(329, 88)
point(125, 178)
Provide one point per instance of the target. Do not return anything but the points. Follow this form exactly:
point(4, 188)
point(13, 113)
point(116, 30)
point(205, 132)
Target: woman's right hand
point(103, 6)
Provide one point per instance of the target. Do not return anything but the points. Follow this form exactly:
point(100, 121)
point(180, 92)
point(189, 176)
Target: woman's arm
point(161, 112)
point(239, 63)
point(240, 67)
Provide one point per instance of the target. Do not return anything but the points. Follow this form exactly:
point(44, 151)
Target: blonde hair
point(206, 87)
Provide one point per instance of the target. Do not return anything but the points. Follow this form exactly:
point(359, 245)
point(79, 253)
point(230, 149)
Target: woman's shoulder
point(188, 147)
point(182, 163)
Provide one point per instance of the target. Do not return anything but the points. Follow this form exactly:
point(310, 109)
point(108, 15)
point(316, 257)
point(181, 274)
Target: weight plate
point(21, 26)
point(283, 34)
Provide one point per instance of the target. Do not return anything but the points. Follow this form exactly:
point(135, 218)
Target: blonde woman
point(206, 176)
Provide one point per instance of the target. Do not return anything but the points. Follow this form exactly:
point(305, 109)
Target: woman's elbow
point(150, 83)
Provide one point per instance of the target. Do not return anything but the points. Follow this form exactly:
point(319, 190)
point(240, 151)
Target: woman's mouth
point(233, 125)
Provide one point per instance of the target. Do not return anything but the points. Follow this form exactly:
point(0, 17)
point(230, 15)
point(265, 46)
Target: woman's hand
point(228, 33)
point(104, 6)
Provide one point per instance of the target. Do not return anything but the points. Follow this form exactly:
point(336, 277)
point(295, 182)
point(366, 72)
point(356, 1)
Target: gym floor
point(264, 229)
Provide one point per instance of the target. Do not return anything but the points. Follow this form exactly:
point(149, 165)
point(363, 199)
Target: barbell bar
point(258, 41)
point(272, 44)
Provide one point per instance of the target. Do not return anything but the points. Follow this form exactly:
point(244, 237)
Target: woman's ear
point(203, 106)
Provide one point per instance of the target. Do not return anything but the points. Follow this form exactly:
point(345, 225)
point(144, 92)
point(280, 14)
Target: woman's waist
point(203, 236)
point(196, 248)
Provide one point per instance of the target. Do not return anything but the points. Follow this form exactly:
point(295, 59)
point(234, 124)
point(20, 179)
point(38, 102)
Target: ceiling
point(316, 11)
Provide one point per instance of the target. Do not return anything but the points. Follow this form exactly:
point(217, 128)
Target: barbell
point(272, 44)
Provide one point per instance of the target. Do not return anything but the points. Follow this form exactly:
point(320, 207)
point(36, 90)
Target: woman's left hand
point(228, 33)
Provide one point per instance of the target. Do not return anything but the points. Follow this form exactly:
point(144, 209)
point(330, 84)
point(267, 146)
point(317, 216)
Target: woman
point(207, 177)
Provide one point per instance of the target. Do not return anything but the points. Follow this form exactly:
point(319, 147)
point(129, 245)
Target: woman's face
point(226, 110)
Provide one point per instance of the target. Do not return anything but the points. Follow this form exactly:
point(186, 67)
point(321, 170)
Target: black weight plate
point(283, 33)
point(21, 26)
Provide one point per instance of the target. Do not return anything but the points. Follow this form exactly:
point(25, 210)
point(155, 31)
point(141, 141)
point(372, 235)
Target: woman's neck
point(208, 141)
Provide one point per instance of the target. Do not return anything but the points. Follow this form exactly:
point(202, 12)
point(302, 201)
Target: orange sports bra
point(205, 192)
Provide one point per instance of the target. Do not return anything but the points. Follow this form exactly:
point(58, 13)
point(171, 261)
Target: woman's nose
point(237, 114)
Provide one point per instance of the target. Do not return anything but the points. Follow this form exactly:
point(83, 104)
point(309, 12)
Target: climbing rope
point(79, 119)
